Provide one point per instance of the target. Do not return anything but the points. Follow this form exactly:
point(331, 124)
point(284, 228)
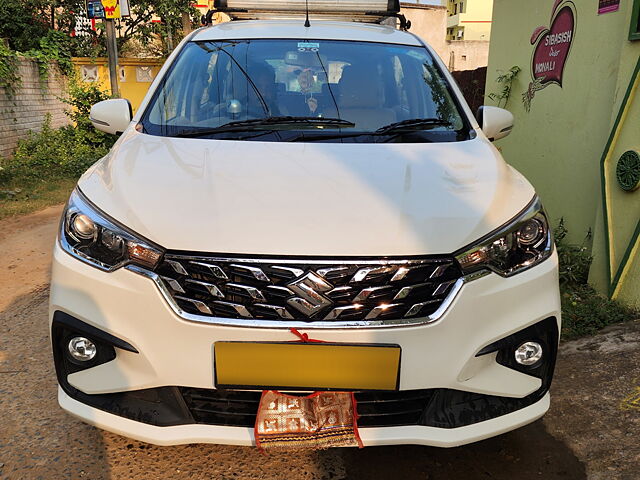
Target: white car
point(329, 179)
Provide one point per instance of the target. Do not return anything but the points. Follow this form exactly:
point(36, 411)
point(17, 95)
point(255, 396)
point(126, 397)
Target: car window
point(371, 85)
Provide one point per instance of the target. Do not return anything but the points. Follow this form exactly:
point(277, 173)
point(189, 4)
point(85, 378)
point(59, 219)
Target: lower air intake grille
point(437, 407)
point(238, 408)
point(308, 290)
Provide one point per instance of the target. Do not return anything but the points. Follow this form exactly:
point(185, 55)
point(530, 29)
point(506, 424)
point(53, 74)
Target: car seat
point(360, 98)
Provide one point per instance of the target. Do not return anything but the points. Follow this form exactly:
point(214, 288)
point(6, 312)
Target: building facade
point(134, 75)
point(577, 110)
point(469, 20)
point(430, 23)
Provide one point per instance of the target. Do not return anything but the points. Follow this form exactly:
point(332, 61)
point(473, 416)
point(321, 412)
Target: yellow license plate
point(310, 366)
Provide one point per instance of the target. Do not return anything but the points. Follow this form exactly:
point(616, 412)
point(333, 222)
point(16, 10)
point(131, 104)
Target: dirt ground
point(591, 431)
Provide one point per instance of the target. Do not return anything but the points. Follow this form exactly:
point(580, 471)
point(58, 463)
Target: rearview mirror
point(111, 116)
point(495, 122)
point(307, 59)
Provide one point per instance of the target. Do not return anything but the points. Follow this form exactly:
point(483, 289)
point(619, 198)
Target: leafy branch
point(505, 80)
point(10, 80)
point(53, 48)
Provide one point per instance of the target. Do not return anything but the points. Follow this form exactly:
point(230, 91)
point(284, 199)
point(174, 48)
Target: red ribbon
point(304, 337)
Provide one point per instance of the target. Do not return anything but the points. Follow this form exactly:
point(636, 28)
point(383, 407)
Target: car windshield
point(323, 90)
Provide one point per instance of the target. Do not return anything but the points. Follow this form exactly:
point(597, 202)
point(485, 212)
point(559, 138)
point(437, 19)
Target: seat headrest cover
point(360, 87)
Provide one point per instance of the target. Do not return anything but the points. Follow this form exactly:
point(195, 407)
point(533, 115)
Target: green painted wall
point(616, 267)
point(559, 143)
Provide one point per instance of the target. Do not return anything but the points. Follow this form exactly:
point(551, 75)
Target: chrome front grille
point(312, 291)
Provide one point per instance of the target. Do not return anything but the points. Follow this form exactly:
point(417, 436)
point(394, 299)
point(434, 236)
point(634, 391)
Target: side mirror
point(495, 122)
point(111, 116)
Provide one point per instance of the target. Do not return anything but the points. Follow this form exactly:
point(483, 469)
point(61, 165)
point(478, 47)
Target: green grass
point(45, 165)
point(585, 311)
point(20, 198)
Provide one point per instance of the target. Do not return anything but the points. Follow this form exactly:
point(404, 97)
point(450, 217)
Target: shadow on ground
point(38, 440)
point(527, 453)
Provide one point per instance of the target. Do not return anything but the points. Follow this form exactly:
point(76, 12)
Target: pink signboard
point(552, 45)
point(606, 6)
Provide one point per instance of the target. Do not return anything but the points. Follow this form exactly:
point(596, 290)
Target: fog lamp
point(82, 349)
point(529, 353)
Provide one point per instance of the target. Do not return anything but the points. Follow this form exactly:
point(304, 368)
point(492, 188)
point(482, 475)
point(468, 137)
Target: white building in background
point(431, 23)
point(469, 19)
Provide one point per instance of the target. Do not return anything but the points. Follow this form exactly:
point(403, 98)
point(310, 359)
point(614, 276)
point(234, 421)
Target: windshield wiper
point(412, 124)
point(241, 125)
point(391, 130)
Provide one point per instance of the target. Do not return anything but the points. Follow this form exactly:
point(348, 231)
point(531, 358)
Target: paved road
point(591, 431)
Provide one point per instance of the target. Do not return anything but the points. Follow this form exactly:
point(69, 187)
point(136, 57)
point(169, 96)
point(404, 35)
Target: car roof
point(319, 30)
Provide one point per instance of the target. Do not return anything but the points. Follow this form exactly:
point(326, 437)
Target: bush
point(81, 96)
point(52, 153)
point(584, 311)
point(64, 152)
point(575, 260)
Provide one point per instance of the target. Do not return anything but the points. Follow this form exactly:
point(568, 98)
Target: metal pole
point(112, 52)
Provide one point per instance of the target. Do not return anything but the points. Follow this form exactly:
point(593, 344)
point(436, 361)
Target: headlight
point(522, 243)
point(89, 235)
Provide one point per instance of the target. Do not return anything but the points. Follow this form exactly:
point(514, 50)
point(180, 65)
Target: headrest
point(359, 87)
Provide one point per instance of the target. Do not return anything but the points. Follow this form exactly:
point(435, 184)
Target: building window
point(634, 31)
point(461, 7)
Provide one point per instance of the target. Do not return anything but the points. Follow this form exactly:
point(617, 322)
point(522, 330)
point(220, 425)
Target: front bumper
point(172, 351)
point(197, 433)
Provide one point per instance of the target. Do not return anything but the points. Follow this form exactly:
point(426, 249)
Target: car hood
point(310, 199)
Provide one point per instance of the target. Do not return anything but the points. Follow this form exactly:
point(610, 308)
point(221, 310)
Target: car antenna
point(306, 22)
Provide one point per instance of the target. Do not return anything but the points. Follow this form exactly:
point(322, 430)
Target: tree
point(141, 27)
point(25, 22)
